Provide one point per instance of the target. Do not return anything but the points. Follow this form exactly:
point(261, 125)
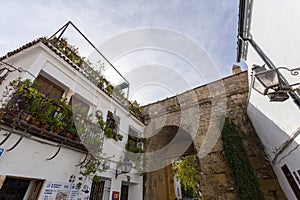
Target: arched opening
point(170, 145)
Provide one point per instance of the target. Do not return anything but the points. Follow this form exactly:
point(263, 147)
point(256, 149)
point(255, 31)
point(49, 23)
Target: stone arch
point(216, 178)
point(171, 142)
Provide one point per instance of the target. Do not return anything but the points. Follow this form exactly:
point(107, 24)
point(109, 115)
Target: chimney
point(236, 69)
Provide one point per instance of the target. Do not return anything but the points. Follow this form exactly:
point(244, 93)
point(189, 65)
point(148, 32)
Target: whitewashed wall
point(275, 27)
point(29, 160)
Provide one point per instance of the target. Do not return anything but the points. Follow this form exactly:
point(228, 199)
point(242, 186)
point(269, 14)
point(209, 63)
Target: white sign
point(63, 191)
point(56, 191)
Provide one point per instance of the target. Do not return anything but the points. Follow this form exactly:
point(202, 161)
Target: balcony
point(28, 112)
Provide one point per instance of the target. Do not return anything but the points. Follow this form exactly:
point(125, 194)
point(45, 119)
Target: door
point(14, 188)
point(97, 189)
point(124, 192)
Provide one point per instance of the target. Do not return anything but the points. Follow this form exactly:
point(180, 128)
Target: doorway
point(124, 192)
point(14, 188)
point(97, 190)
point(100, 188)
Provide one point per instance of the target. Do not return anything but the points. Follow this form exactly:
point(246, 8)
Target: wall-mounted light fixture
point(123, 167)
point(271, 82)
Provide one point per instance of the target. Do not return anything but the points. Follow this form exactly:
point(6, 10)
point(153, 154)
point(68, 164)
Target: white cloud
point(212, 24)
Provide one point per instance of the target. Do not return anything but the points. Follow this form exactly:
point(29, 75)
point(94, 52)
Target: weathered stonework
point(216, 180)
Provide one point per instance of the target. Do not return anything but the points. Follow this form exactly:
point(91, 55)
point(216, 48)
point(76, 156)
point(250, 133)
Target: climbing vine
point(243, 176)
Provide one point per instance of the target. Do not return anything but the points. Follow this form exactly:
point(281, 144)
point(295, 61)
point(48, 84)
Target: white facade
point(29, 158)
point(275, 27)
point(177, 188)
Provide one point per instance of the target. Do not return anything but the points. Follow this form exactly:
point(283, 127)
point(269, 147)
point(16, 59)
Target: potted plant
point(45, 113)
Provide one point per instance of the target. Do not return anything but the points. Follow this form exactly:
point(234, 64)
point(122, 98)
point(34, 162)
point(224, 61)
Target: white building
point(177, 188)
point(273, 26)
point(41, 165)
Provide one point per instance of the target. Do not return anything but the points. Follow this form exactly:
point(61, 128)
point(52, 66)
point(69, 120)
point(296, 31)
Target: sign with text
point(64, 191)
point(56, 191)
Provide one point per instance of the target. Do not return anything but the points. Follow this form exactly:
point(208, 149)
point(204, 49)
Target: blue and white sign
point(1, 152)
point(63, 191)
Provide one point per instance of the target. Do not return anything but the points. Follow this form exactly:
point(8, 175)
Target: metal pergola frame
point(64, 28)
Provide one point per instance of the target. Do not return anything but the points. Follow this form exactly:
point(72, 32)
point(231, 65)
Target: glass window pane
point(268, 78)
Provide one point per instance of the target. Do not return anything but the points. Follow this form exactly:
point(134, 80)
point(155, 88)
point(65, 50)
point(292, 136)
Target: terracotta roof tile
point(48, 44)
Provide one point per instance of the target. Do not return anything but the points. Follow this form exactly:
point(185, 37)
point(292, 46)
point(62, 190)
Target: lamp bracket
point(293, 72)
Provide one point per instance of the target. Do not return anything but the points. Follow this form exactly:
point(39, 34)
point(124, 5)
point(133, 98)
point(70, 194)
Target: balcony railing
point(53, 120)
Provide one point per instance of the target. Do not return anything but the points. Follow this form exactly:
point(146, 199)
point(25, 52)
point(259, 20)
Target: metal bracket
point(86, 156)
point(58, 150)
point(16, 144)
point(5, 139)
point(87, 162)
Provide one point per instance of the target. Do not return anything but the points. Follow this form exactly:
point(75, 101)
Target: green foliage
point(97, 179)
point(95, 76)
point(108, 132)
point(45, 111)
point(244, 178)
point(90, 168)
point(120, 137)
point(135, 109)
point(187, 171)
point(133, 146)
point(107, 127)
point(101, 122)
point(135, 152)
point(79, 184)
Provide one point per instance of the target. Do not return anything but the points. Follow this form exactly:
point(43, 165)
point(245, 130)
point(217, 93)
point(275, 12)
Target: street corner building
point(64, 133)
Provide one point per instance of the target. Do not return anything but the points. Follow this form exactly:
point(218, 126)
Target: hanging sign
point(115, 195)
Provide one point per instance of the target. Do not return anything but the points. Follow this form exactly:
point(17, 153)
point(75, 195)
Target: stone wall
point(208, 100)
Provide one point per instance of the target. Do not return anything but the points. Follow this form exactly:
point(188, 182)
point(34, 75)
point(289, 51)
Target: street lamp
point(272, 82)
point(123, 167)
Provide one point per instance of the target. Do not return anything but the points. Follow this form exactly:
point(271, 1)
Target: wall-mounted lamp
point(271, 82)
point(123, 167)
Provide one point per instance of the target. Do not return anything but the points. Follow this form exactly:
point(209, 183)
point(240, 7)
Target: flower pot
point(46, 127)
point(35, 122)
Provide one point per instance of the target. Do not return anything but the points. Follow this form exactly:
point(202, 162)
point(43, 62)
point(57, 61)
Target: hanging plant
point(88, 171)
point(90, 168)
point(135, 152)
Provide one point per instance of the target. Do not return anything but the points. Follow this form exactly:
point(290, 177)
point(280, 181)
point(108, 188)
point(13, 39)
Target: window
point(135, 144)
point(48, 88)
point(297, 177)
point(124, 192)
point(291, 180)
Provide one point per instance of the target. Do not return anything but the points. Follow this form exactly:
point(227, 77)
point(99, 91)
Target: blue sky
point(211, 24)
